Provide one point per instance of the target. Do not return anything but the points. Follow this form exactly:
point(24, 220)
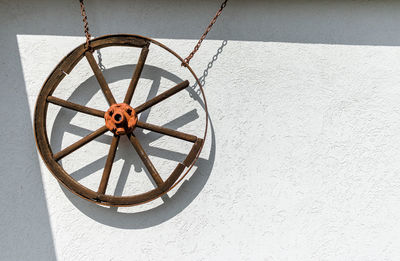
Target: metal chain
point(208, 29)
point(85, 23)
point(187, 59)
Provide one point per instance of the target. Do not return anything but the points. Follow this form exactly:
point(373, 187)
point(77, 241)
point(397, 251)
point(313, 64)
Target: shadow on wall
point(171, 206)
point(25, 225)
point(328, 22)
point(24, 219)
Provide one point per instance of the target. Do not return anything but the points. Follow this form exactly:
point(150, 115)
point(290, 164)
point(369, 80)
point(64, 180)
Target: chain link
point(85, 23)
point(208, 29)
point(187, 59)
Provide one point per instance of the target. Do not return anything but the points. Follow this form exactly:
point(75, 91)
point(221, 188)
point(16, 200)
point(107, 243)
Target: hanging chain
point(208, 29)
point(187, 59)
point(85, 23)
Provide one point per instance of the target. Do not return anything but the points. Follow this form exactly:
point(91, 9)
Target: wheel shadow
point(171, 206)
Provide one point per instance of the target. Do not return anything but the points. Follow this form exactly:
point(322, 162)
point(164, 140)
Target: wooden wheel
point(120, 119)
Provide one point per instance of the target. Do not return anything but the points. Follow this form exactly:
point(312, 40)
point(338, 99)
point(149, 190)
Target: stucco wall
point(301, 160)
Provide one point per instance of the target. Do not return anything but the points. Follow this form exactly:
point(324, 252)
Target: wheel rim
point(51, 159)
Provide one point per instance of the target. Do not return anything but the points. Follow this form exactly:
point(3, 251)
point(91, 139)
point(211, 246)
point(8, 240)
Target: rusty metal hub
point(121, 119)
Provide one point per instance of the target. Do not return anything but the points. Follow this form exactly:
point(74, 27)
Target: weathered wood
point(162, 96)
point(71, 148)
point(108, 166)
point(100, 78)
point(119, 40)
point(146, 160)
point(75, 107)
point(193, 152)
point(136, 75)
point(166, 131)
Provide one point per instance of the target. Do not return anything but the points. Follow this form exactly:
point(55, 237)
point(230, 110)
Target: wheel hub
point(120, 119)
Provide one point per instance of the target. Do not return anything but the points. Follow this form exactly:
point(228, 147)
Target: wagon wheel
point(120, 119)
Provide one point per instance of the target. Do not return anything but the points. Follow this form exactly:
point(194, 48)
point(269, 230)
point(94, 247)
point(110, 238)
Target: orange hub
point(121, 118)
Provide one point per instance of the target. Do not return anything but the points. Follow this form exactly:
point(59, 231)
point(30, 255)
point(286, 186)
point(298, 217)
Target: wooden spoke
point(193, 152)
point(136, 75)
point(100, 78)
point(162, 96)
point(108, 166)
point(166, 131)
point(146, 160)
point(80, 143)
point(75, 107)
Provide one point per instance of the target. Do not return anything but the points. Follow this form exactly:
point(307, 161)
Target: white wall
point(301, 162)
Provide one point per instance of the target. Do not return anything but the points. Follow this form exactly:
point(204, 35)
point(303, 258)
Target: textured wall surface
point(302, 156)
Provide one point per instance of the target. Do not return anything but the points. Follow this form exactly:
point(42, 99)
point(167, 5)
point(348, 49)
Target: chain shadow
point(187, 191)
point(203, 77)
